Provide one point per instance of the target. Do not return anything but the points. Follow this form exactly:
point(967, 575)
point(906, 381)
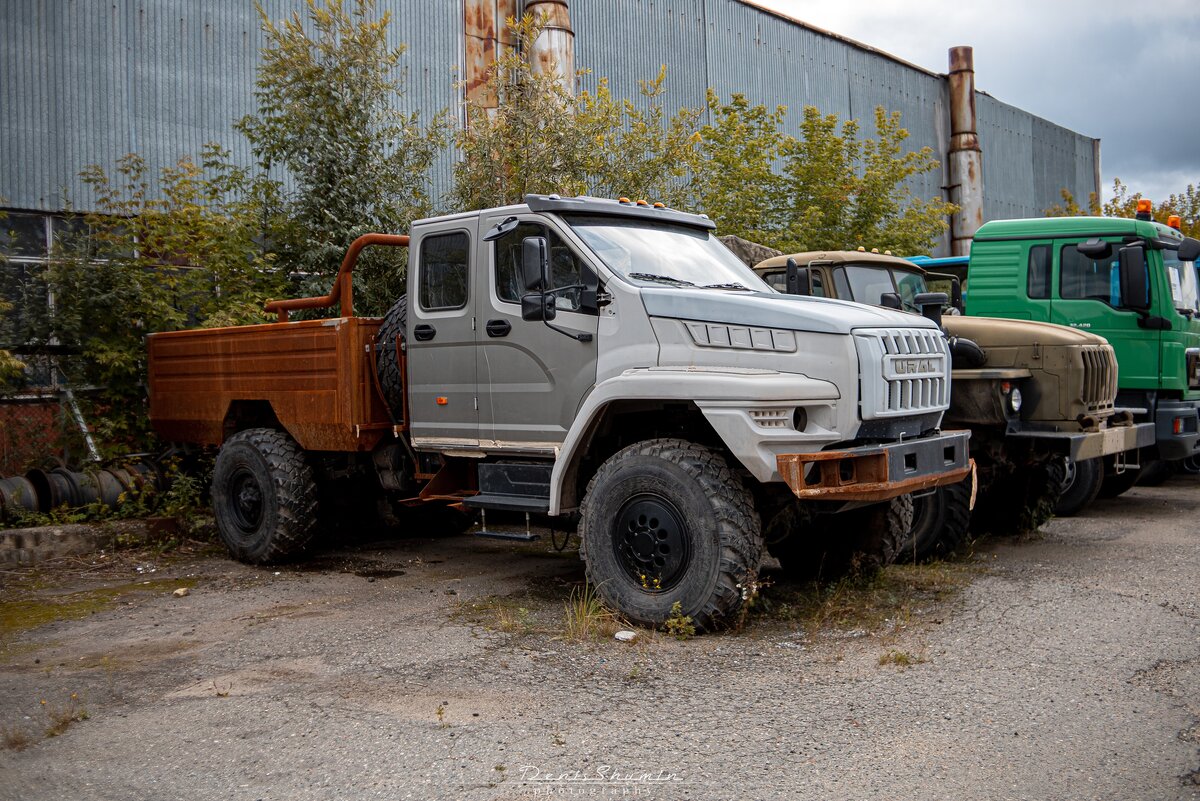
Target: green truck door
point(1086, 295)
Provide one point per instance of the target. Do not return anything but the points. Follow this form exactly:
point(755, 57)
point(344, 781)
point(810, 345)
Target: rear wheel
point(663, 522)
point(1020, 502)
point(264, 496)
point(1081, 484)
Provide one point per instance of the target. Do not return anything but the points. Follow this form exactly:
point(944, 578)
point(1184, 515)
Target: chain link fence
point(37, 430)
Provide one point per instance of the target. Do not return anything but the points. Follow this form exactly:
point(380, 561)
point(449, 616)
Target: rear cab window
point(444, 271)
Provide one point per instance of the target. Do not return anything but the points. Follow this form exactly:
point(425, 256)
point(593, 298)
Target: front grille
point(907, 373)
point(1099, 378)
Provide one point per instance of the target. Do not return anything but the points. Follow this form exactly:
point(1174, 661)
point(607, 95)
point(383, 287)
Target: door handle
point(498, 328)
point(424, 333)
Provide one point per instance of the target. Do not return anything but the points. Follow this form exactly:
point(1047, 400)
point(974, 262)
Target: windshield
point(1182, 277)
point(869, 282)
point(651, 253)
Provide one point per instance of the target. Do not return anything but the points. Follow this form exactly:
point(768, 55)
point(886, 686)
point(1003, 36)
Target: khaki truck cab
point(575, 356)
point(1032, 394)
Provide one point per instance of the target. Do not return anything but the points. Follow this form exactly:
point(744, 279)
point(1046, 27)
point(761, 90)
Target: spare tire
point(387, 360)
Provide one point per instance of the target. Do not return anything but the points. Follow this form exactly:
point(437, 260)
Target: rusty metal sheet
point(315, 374)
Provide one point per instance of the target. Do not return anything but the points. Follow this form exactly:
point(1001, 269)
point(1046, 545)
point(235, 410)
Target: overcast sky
point(1125, 72)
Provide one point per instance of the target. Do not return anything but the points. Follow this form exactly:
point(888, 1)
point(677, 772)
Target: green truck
point(1133, 281)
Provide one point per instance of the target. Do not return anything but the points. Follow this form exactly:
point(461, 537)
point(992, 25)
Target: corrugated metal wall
point(84, 82)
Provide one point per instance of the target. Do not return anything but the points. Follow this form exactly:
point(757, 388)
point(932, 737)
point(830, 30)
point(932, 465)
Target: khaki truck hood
point(994, 332)
point(773, 310)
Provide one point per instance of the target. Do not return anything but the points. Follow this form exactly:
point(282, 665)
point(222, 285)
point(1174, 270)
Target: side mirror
point(538, 307)
point(1189, 249)
point(930, 304)
point(1135, 279)
point(891, 300)
point(1095, 249)
point(956, 298)
point(535, 263)
point(797, 281)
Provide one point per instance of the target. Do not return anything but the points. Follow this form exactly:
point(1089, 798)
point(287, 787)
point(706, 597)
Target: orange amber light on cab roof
point(1174, 222)
point(1145, 205)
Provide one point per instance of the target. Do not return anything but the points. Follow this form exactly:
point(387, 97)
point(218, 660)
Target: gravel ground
point(1063, 667)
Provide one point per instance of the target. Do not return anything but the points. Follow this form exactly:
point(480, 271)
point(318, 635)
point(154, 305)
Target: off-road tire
point(387, 364)
point(1081, 485)
point(1020, 502)
point(707, 509)
point(1154, 473)
point(855, 542)
point(940, 523)
point(264, 496)
point(1116, 484)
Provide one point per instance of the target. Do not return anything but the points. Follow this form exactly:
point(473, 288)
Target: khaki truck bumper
point(878, 472)
point(1091, 444)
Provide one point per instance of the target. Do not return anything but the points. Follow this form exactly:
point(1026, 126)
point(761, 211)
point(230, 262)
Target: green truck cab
point(1131, 281)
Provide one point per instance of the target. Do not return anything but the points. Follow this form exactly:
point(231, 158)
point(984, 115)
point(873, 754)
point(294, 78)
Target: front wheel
point(1081, 484)
point(264, 496)
point(666, 521)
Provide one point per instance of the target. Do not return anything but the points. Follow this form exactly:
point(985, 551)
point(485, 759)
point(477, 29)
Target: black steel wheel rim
point(651, 542)
point(246, 500)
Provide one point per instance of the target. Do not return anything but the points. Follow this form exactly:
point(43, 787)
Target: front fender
point(713, 389)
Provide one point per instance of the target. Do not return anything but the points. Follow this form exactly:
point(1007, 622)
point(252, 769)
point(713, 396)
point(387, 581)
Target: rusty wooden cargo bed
point(316, 377)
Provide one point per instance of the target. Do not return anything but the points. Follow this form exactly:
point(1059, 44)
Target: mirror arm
point(580, 336)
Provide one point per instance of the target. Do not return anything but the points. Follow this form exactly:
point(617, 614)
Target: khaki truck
point(574, 356)
point(1030, 393)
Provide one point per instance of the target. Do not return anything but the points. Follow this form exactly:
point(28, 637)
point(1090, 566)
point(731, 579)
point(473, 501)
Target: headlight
point(1014, 400)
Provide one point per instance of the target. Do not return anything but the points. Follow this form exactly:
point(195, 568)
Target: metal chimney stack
point(966, 157)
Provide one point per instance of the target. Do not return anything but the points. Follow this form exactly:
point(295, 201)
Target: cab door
point(440, 337)
point(1087, 296)
point(532, 379)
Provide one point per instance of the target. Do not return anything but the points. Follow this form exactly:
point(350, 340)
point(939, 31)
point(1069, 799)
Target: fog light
point(1014, 400)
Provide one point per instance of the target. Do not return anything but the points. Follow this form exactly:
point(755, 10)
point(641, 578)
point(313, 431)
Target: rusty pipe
point(965, 154)
point(342, 289)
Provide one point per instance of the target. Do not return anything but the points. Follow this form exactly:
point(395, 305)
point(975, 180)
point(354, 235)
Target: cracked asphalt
point(1066, 666)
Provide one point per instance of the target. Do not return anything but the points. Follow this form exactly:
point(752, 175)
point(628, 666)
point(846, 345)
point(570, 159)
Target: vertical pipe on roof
point(966, 157)
point(554, 50)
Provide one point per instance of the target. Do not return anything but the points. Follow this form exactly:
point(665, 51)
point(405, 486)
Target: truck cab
point(1130, 281)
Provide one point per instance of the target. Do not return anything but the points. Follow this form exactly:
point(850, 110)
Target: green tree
point(830, 188)
point(327, 112)
point(186, 257)
point(1123, 203)
point(735, 178)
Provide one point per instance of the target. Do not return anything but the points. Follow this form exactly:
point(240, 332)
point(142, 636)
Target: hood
point(994, 332)
point(773, 310)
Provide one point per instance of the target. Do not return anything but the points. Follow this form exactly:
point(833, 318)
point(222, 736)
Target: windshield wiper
point(664, 279)
point(730, 285)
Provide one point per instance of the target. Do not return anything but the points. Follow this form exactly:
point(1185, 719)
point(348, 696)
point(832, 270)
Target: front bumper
point(1172, 445)
point(878, 472)
point(1081, 446)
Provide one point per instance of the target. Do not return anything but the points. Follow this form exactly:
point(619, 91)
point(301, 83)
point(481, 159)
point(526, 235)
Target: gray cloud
point(1121, 71)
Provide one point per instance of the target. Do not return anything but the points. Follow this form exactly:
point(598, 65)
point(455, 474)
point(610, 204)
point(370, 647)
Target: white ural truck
point(578, 355)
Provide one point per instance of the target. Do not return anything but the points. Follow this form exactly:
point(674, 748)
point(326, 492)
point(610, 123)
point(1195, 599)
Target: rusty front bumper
point(878, 472)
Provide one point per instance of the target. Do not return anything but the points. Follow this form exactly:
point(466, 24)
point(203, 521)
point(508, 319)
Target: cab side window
point(566, 269)
point(444, 269)
point(1038, 284)
point(1081, 277)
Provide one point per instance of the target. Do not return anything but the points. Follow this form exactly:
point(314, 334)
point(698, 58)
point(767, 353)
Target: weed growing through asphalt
point(586, 618)
point(679, 625)
point(15, 738)
point(62, 717)
point(901, 659)
point(441, 715)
